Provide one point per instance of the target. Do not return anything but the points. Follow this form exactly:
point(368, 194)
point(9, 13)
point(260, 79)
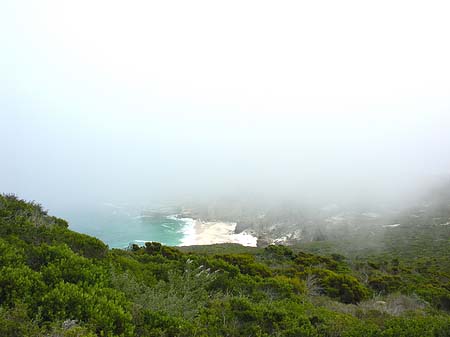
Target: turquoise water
point(119, 228)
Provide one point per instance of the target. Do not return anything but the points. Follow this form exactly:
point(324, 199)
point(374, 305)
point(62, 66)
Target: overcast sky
point(145, 100)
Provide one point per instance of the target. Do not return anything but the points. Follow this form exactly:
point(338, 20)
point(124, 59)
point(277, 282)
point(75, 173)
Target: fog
point(142, 102)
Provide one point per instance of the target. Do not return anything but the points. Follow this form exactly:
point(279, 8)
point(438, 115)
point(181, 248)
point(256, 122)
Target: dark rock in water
point(262, 242)
point(240, 227)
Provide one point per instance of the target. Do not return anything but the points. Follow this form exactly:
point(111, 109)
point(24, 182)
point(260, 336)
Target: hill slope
point(56, 282)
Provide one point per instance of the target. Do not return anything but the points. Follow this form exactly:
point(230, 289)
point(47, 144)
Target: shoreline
point(199, 232)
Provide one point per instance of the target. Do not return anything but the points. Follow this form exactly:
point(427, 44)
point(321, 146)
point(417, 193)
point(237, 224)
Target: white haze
point(150, 101)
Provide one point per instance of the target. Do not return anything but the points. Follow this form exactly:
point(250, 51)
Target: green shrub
point(103, 309)
point(345, 288)
point(20, 284)
point(384, 283)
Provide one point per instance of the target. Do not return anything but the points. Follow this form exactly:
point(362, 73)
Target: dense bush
point(55, 282)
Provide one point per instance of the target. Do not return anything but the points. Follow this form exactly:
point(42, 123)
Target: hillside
point(56, 282)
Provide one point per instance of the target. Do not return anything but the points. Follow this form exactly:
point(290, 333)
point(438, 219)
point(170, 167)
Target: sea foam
point(197, 232)
point(189, 232)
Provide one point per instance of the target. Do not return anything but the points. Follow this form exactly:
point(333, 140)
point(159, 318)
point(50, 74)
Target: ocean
point(119, 227)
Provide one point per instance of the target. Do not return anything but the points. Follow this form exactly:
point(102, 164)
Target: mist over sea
point(118, 226)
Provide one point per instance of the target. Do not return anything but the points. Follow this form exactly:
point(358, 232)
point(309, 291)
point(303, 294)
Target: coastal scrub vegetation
point(56, 282)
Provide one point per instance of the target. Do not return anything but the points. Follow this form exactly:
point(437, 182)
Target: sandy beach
point(198, 232)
